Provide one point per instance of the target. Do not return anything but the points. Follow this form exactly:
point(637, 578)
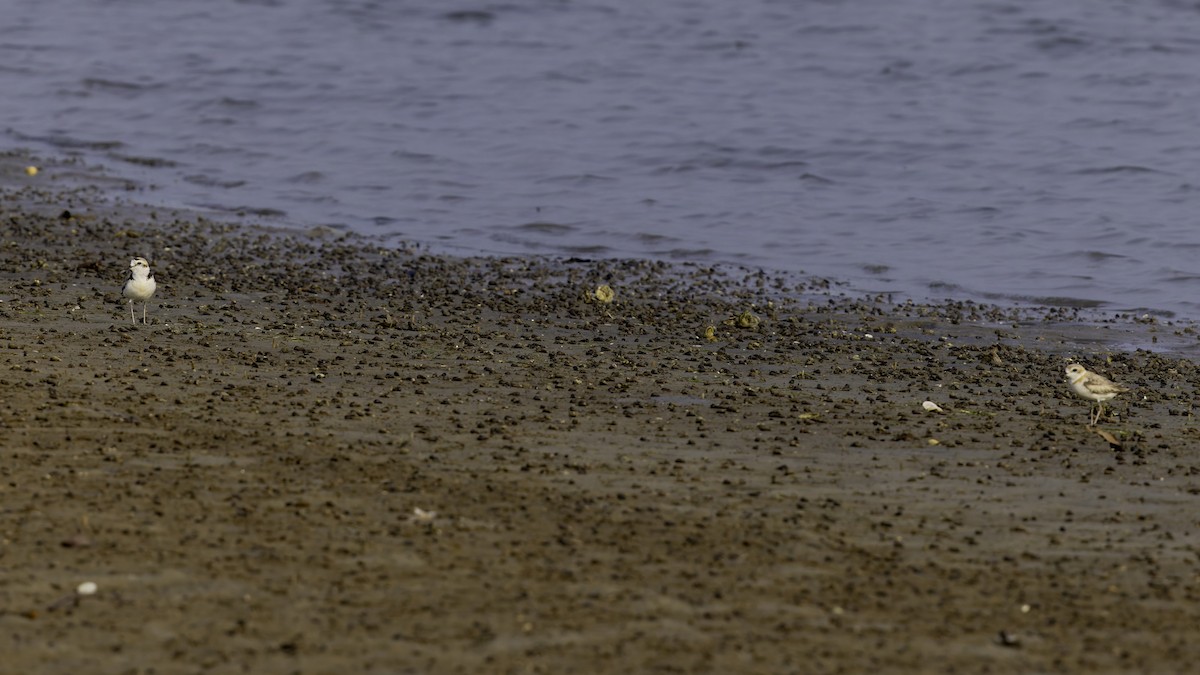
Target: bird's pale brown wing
point(1098, 384)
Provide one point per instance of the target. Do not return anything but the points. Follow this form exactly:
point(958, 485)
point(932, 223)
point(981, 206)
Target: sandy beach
point(322, 455)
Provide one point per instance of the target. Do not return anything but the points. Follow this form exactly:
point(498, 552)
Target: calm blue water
point(1036, 152)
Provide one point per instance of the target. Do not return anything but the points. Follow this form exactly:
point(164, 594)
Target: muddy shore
point(326, 456)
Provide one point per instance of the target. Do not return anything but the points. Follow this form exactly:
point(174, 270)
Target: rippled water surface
point(1038, 152)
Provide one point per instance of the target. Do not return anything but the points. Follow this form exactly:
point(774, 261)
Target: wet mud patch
point(325, 455)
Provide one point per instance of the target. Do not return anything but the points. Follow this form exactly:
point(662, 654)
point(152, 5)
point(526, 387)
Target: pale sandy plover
point(1093, 387)
point(139, 286)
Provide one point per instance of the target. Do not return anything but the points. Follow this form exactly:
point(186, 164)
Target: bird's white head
point(1074, 370)
point(139, 268)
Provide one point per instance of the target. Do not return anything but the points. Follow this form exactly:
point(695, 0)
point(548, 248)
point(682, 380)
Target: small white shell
point(420, 515)
point(932, 407)
point(86, 588)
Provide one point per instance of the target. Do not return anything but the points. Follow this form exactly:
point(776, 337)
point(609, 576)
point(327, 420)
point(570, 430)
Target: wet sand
point(326, 456)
